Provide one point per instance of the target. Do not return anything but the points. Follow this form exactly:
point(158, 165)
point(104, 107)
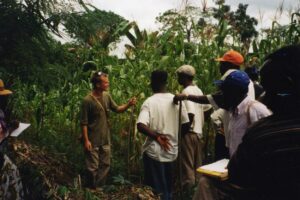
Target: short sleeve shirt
point(95, 115)
point(196, 109)
point(161, 115)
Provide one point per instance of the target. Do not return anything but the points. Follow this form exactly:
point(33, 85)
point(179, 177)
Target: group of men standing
point(161, 119)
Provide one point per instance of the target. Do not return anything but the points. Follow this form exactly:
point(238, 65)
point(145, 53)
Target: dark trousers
point(158, 175)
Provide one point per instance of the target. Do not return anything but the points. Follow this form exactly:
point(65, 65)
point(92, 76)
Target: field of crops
point(50, 78)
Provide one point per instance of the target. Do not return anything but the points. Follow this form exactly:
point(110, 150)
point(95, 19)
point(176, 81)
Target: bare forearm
point(123, 108)
point(147, 131)
point(84, 132)
point(198, 99)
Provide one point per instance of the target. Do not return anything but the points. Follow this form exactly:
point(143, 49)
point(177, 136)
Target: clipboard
point(19, 130)
point(217, 169)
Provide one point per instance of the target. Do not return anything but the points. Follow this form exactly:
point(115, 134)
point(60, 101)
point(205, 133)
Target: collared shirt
point(161, 115)
point(246, 113)
point(196, 109)
point(224, 114)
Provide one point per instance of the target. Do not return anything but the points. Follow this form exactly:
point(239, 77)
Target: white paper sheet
point(18, 131)
point(218, 166)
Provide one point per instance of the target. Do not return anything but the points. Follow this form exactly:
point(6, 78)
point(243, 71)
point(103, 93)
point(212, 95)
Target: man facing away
point(158, 120)
point(191, 150)
point(95, 128)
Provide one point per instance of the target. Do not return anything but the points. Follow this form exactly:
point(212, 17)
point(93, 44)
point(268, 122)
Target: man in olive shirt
point(95, 128)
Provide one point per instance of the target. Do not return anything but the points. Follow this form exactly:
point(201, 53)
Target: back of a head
point(280, 77)
point(89, 65)
point(252, 72)
point(158, 80)
point(230, 60)
point(187, 70)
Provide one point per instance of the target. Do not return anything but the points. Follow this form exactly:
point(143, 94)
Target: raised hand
point(132, 101)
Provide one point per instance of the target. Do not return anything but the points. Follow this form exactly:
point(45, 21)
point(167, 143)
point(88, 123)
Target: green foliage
point(26, 46)
point(243, 23)
point(120, 180)
point(93, 26)
point(49, 79)
point(237, 24)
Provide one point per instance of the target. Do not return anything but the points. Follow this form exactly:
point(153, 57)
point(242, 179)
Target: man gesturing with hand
point(96, 129)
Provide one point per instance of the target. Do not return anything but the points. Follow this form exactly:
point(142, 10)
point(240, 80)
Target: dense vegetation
point(49, 78)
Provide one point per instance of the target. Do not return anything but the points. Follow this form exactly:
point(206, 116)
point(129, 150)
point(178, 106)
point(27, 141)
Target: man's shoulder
point(256, 104)
point(87, 97)
point(272, 124)
point(259, 107)
point(160, 98)
point(192, 89)
point(106, 94)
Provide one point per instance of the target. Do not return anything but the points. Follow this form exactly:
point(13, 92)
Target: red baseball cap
point(233, 57)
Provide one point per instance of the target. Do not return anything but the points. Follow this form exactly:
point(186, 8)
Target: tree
point(93, 26)
point(27, 48)
point(184, 21)
point(241, 25)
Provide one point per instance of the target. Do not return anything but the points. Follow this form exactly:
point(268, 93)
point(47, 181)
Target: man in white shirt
point(191, 150)
point(158, 120)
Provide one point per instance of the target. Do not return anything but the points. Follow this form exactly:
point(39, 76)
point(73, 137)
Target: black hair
point(224, 66)
point(185, 76)
point(158, 80)
point(89, 65)
point(281, 71)
point(252, 72)
point(280, 77)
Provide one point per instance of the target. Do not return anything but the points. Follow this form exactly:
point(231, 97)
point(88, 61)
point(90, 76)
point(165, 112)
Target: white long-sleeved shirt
point(246, 113)
point(224, 114)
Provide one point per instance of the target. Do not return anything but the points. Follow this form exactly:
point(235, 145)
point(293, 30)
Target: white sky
point(145, 11)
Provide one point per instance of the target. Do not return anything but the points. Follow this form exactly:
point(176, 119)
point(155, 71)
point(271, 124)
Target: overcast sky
point(145, 11)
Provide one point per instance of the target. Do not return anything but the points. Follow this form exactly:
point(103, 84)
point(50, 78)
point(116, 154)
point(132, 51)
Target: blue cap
point(235, 79)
